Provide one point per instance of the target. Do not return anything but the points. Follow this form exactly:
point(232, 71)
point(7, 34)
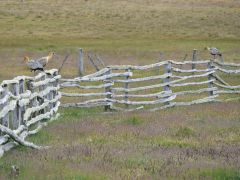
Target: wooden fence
point(155, 86)
point(26, 105)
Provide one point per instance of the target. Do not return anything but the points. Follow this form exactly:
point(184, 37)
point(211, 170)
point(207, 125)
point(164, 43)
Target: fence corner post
point(80, 63)
point(194, 58)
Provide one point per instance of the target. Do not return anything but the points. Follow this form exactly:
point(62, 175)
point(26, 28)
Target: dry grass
point(120, 19)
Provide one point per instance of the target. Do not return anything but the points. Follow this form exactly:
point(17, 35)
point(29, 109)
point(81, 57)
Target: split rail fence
point(155, 86)
point(26, 105)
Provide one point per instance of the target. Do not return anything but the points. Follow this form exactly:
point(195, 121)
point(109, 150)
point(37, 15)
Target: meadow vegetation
point(197, 142)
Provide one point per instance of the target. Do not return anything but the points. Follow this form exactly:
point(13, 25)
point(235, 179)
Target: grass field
point(178, 143)
point(197, 142)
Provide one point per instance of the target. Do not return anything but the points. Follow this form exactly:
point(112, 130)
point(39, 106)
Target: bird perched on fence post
point(33, 65)
point(214, 51)
point(44, 60)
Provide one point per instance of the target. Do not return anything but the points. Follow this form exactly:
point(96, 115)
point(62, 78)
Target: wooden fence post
point(1, 107)
point(194, 58)
point(126, 87)
point(42, 88)
point(210, 77)
point(167, 69)
point(80, 63)
point(108, 90)
point(22, 109)
point(50, 94)
point(33, 102)
point(55, 84)
point(5, 120)
point(15, 119)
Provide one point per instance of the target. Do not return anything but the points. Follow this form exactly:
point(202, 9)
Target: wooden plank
point(227, 87)
point(99, 78)
point(198, 101)
point(189, 62)
point(226, 64)
point(196, 91)
point(170, 83)
point(83, 94)
point(124, 67)
point(237, 71)
point(156, 95)
point(158, 101)
point(93, 63)
point(90, 103)
point(66, 85)
point(100, 61)
point(192, 70)
point(17, 138)
point(149, 78)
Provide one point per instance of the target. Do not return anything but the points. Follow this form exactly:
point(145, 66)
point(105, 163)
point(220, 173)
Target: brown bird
point(44, 60)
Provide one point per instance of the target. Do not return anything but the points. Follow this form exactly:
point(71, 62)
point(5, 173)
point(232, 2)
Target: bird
point(44, 60)
point(32, 64)
point(214, 51)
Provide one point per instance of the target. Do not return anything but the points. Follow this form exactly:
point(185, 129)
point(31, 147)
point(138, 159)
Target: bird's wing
point(38, 64)
point(42, 60)
point(34, 65)
point(215, 50)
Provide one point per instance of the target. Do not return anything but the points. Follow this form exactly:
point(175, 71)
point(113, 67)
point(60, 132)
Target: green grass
point(133, 121)
point(185, 132)
point(219, 173)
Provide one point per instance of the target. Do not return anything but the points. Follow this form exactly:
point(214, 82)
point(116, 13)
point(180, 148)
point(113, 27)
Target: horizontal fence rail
point(128, 87)
point(26, 105)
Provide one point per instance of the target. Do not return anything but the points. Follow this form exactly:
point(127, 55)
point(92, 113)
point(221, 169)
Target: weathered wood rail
point(26, 105)
point(178, 84)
